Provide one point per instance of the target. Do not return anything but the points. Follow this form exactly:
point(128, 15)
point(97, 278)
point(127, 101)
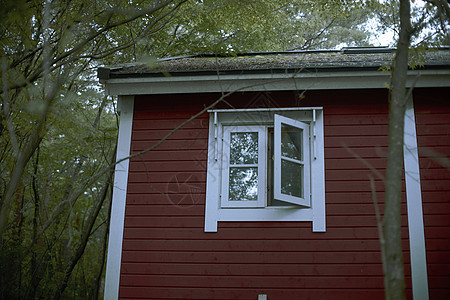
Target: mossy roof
point(331, 60)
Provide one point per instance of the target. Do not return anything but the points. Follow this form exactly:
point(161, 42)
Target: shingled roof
point(274, 62)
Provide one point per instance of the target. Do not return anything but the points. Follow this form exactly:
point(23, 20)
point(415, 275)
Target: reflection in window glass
point(244, 148)
point(243, 184)
point(243, 176)
point(270, 164)
point(291, 142)
point(291, 178)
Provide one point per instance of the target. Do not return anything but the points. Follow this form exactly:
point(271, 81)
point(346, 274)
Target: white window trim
point(419, 275)
point(260, 202)
point(117, 222)
point(213, 210)
point(306, 200)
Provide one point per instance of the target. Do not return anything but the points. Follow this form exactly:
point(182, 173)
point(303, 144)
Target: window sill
point(274, 214)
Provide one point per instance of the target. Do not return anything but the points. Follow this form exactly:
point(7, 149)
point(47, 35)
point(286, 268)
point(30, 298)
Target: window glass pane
point(271, 201)
point(291, 142)
point(243, 184)
point(291, 178)
point(244, 148)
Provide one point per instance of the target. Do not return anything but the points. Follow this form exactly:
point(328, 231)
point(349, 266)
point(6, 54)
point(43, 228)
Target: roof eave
point(314, 79)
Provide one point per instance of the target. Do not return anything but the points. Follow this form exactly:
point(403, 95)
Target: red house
point(262, 174)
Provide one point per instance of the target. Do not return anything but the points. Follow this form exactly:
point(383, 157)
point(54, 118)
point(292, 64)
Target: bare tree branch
point(25, 154)
point(92, 217)
point(442, 6)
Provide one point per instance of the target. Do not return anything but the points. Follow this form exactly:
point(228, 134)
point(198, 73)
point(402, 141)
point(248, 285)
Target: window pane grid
point(291, 171)
point(243, 180)
point(243, 165)
point(295, 161)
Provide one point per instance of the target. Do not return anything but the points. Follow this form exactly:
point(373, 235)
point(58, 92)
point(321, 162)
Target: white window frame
point(227, 131)
point(216, 212)
point(305, 162)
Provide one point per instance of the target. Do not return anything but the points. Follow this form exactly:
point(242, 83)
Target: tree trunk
point(98, 281)
point(24, 155)
point(394, 270)
point(35, 270)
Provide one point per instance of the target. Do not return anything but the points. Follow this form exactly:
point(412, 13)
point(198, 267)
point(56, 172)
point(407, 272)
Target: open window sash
point(243, 171)
point(291, 161)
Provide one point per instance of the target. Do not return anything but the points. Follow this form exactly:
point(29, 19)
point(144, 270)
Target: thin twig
point(379, 222)
point(364, 161)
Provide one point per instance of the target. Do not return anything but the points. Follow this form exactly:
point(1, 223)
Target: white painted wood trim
point(318, 170)
point(212, 177)
point(274, 110)
point(305, 162)
point(271, 214)
point(226, 165)
point(270, 82)
point(213, 211)
point(414, 203)
point(114, 257)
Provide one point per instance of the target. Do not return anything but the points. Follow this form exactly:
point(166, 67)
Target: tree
point(393, 255)
point(391, 241)
point(58, 51)
point(56, 133)
point(229, 26)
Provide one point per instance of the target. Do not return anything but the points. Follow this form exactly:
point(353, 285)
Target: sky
point(386, 38)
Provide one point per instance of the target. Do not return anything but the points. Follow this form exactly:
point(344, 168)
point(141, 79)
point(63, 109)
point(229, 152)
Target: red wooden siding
point(167, 255)
point(433, 131)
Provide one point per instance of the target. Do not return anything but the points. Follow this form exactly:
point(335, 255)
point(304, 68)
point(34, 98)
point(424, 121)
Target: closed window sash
point(243, 177)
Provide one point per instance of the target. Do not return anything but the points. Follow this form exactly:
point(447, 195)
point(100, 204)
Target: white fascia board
point(117, 221)
point(271, 82)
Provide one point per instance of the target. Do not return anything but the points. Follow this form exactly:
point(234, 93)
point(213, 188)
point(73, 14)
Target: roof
point(349, 68)
point(272, 62)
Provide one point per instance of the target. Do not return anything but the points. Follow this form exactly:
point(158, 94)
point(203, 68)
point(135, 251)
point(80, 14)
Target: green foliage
point(230, 26)
point(71, 140)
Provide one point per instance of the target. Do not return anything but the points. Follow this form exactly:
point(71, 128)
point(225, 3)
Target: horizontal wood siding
point(433, 130)
point(167, 254)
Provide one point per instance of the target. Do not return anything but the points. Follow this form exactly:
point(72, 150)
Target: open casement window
point(266, 165)
point(291, 161)
point(247, 173)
